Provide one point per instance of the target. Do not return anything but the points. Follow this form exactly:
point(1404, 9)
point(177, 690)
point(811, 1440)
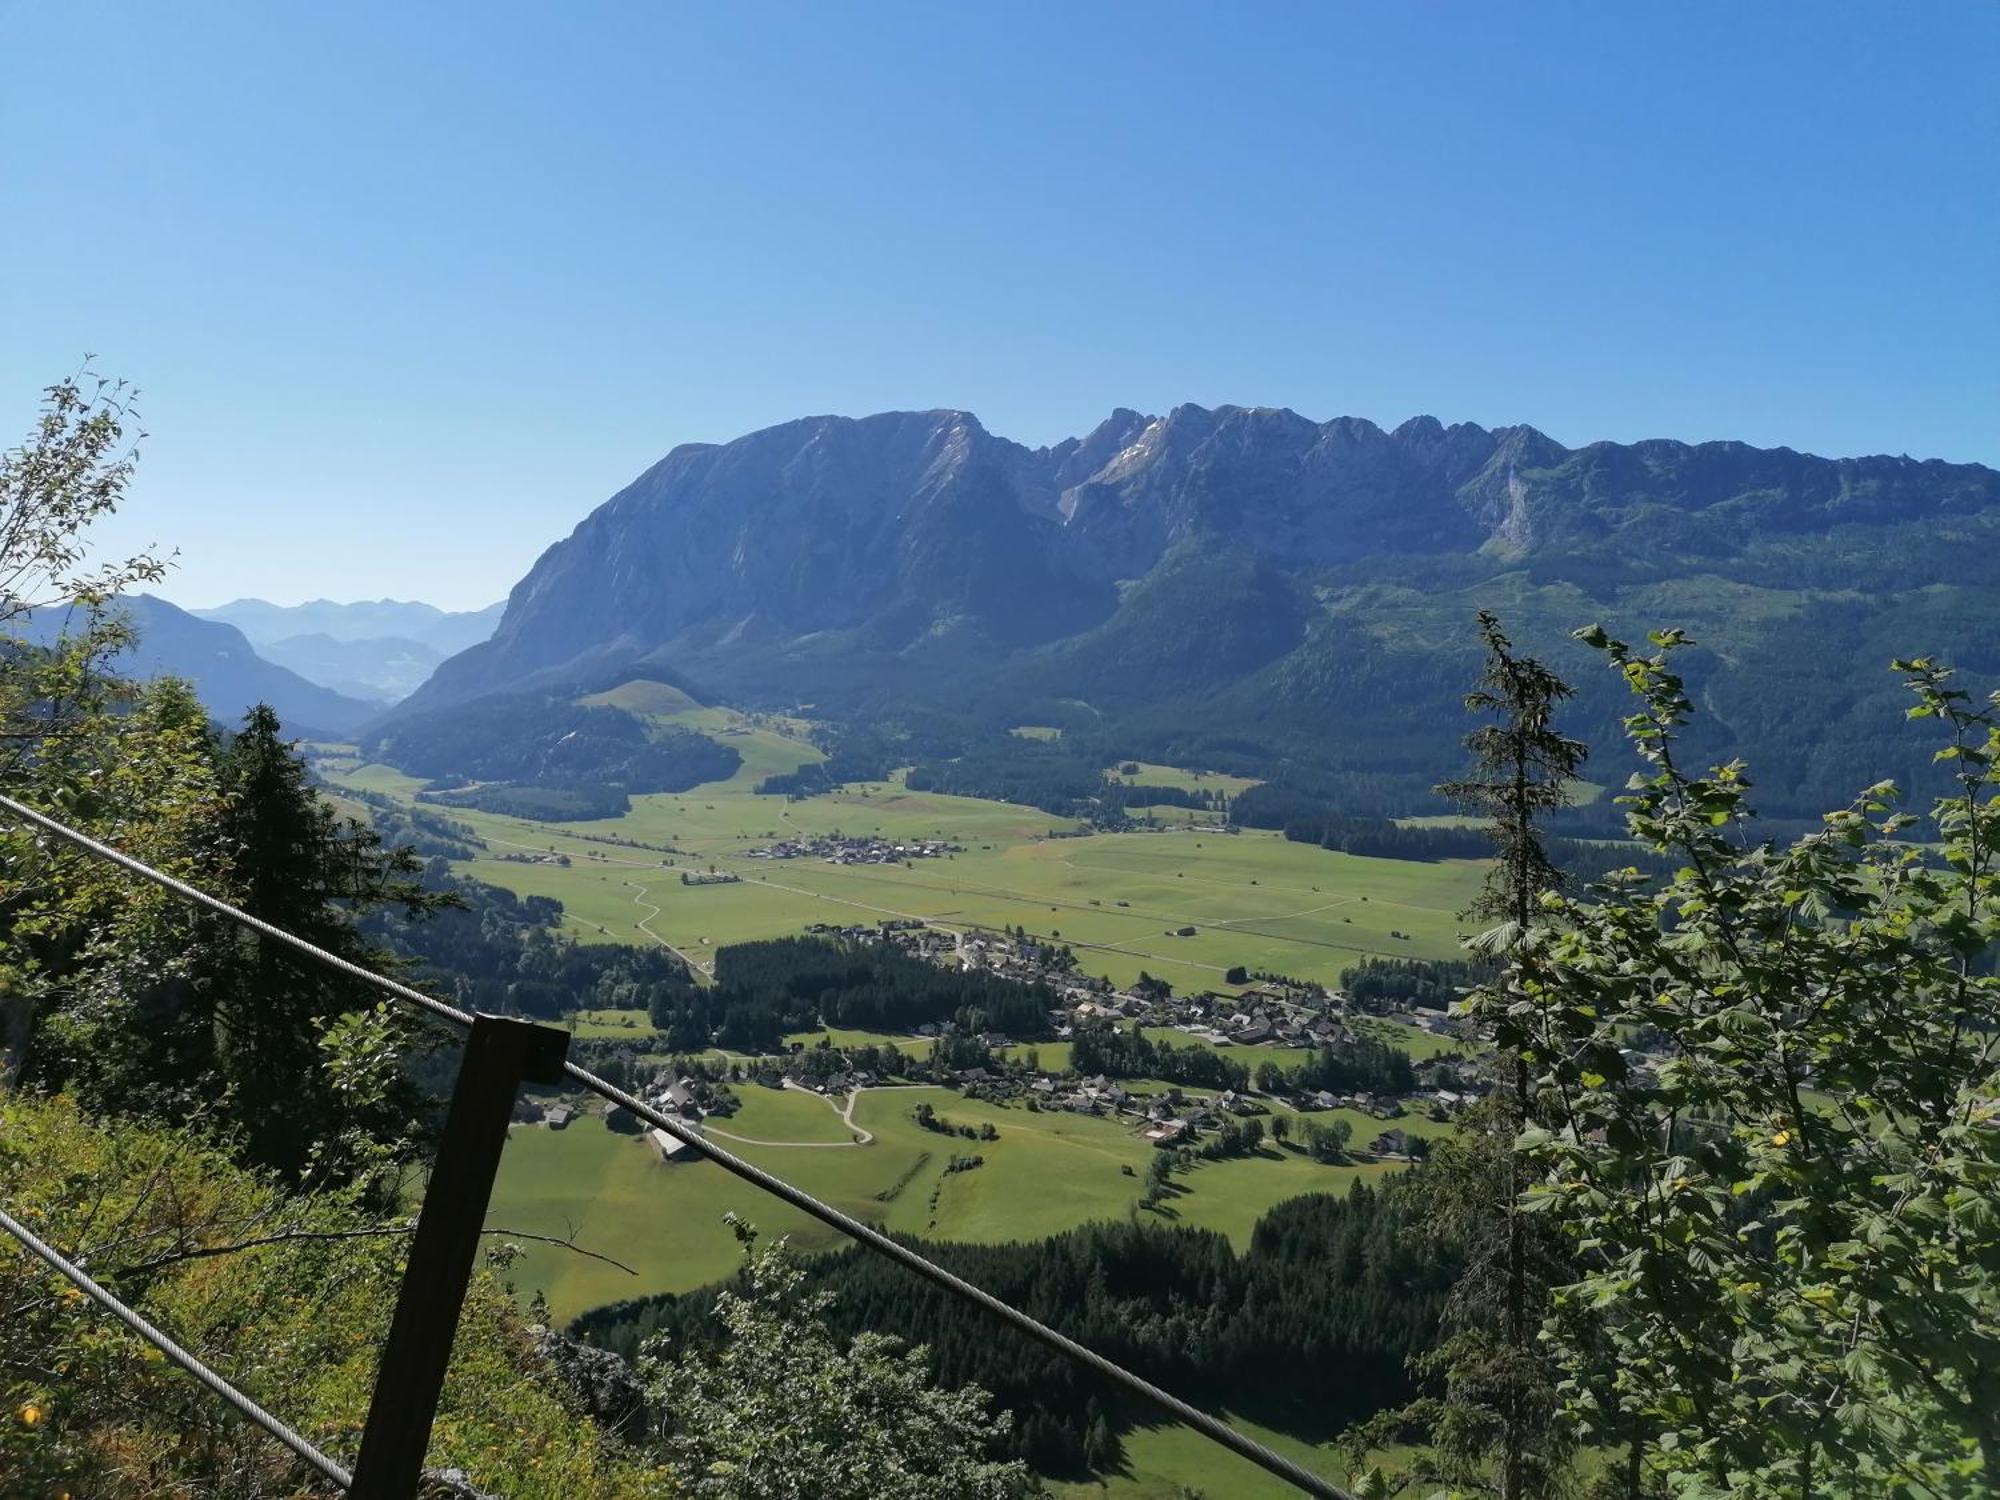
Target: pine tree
point(308, 1055)
point(1499, 1403)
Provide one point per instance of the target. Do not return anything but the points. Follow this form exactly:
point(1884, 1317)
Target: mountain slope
point(228, 676)
point(886, 534)
point(1300, 590)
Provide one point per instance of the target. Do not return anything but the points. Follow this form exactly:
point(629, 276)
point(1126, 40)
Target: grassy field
point(626, 1025)
point(1150, 774)
point(652, 699)
point(1253, 898)
point(1119, 899)
point(1046, 1172)
point(1168, 1461)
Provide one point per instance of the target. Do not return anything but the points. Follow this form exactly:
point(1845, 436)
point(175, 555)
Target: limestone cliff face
point(827, 552)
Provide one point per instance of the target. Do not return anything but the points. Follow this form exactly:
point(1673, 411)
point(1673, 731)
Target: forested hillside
point(545, 757)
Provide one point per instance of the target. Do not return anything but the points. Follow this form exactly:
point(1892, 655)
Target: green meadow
point(1151, 774)
point(1047, 1172)
point(1120, 900)
point(1170, 1462)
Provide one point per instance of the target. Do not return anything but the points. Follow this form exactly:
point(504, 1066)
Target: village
point(1168, 1117)
point(837, 849)
point(1269, 1012)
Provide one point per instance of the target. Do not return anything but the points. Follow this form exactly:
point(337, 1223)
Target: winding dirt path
point(862, 1135)
point(639, 893)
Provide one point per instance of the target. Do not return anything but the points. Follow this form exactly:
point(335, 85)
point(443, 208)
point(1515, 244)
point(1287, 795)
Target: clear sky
point(412, 287)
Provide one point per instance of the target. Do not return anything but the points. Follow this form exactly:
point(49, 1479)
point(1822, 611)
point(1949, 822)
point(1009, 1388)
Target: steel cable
point(1209, 1426)
point(81, 1280)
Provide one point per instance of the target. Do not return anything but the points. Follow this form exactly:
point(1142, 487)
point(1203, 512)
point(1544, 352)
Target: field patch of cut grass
point(781, 1116)
point(642, 696)
point(1048, 1171)
point(622, 1025)
point(376, 777)
point(1166, 812)
point(1152, 774)
point(1421, 1044)
point(1168, 1462)
point(1036, 732)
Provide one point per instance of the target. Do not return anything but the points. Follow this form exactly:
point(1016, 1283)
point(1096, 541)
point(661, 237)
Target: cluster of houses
point(529, 1111)
point(838, 849)
point(1245, 1021)
point(1259, 1024)
point(675, 1098)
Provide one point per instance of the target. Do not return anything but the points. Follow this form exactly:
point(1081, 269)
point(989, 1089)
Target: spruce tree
point(1494, 1425)
point(306, 1053)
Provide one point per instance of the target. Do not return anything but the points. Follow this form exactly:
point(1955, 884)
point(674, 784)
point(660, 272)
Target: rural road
point(639, 899)
point(862, 1135)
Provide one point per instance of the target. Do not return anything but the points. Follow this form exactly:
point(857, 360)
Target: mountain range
point(377, 650)
point(446, 631)
point(1249, 583)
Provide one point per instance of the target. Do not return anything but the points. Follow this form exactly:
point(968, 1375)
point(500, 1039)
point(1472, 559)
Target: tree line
point(1363, 1064)
point(765, 990)
point(1312, 1326)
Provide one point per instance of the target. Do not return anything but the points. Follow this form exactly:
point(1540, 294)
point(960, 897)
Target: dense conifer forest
point(764, 990)
point(548, 757)
point(1313, 1326)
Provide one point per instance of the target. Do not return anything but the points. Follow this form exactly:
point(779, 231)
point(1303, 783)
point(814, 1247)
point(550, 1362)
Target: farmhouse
point(672, 1148)
point(1390, 1143)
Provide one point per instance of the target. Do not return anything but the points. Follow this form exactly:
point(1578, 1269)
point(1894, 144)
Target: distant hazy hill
point(445, 631)
point(377, 649)
point(1251, 583)
point(382, 669)
point(228, 675)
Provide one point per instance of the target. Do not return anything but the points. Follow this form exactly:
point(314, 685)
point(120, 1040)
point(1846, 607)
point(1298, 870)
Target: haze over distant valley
point(378, 650)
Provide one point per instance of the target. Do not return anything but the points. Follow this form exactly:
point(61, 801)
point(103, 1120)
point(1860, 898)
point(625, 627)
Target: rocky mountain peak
point(920, 534)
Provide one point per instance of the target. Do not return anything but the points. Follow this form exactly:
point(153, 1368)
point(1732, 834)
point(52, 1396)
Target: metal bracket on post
point(499, 1054)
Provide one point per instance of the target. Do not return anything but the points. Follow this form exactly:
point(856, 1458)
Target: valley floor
point(1253, 898)
point(1048, 1171)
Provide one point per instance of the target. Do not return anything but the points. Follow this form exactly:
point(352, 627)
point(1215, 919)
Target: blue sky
point(411, 288)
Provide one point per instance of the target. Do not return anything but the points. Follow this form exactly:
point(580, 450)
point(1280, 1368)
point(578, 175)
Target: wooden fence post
point(499, 1054)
